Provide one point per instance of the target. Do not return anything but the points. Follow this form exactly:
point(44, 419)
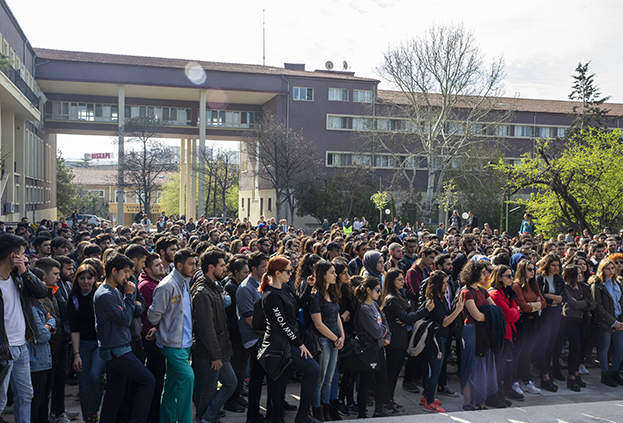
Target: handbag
point(357, 355)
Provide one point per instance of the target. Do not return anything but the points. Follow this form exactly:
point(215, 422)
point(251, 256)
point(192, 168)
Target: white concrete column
point(202, 149)
point(193, 187)
point(188, 209)
point(182, 176)
point(120, 153)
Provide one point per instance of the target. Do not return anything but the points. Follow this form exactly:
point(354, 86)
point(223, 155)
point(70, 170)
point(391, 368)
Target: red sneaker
point(423, 401)
point(433, 408)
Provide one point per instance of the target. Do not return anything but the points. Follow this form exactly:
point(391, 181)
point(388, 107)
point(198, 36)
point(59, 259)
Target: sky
point(541, 42)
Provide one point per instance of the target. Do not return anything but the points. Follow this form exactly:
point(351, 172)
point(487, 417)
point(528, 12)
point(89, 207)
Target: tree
point(221, 174)
point(347, 194)
point(591, 112)
point(279, 156)
point(579, 185)
point(65, 188)
point(449, 98)
point(143, 166)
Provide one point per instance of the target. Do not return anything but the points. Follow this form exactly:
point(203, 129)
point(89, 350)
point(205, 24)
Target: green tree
point(577, 185)
point(65, 188)
point(590, 112)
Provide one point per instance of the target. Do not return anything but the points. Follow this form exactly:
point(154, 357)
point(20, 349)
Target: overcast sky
point(541, 41)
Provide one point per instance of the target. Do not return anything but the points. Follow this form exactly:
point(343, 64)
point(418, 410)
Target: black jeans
point(155, 363)
point(238, 361)
point(58, 383)
point(118, 370)
point(124, 414)
point(365, 381)
point(551, 320)
point(310, 370)
point(576, 334)
point(395, 359)
point(256, 374)
point(39, 408)
point(527, 336)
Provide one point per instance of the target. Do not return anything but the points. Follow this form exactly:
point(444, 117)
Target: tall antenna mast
point(263, 37)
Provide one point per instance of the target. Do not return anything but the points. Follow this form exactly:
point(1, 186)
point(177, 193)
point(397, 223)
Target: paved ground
point(596, 403)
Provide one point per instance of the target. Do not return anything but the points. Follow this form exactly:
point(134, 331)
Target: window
point(362, 124)
point(140, 196)
point(337, 122)
point(362, 159)
point(388, 125)
point(303, 94)
point(456, 128)
point(544, 132)
point(362, 96)
point(561, 132)
point(159, 196)
point(125, 196)
point(385, 161)
point(523, 131)
point(338, 94)
point(476, 128)
point(99, 192)
point(231, 119)
point(270, 204)
point(337, 159)
point(502, 131)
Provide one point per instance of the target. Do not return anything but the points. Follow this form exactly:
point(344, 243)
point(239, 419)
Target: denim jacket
point(39, 347)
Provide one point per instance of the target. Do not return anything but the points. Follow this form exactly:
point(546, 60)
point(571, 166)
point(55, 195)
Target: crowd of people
point(190, 321)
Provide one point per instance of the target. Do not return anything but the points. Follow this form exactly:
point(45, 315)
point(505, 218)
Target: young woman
point(371, 326)
point(478, 374)
point(87, 362)
point(325, 313)
point(442, 316)
point(40, 360)
point(576, 321)
point(582, 263)
point(282, 350)
point(607, 291)
point(530, 301)
point(552, 286)
point(401, 315)
point(503, 295)
point(373, 265)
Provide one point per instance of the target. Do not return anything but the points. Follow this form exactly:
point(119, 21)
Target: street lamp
point(380, 190)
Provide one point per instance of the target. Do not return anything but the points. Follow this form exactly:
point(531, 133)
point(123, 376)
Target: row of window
point(456, 128)
point(95, 112)
point(335, 94)
point(232, 119)
point(139, 195)
point(34, 195)
point(39, 158)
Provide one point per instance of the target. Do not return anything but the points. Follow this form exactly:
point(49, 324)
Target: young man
point(395, 257)
point(213, 348)
point(166, 247)
point(246, 296)
point(153, 272)
point(171, 315)
point(355, 265)
point(60, 246)
point(17, 286)
point(113, 317)
point(410, 244)
point(42, 247)
point(420, 270)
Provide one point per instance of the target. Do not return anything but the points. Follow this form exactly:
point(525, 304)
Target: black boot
point(573, 385)
point(617, 377)
point(334, 413)
point(606, 379)
point(326, 412)
point(317, 413)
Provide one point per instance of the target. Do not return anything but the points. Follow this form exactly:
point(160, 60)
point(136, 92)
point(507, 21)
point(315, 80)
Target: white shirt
point(14, 321)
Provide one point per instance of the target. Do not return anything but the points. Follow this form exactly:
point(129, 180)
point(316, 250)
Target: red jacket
point(509, 308)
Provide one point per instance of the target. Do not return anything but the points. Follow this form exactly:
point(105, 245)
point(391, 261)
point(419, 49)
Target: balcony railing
point(21, 85)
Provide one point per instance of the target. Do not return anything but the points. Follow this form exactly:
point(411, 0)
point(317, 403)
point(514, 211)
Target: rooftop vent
point(294, 66)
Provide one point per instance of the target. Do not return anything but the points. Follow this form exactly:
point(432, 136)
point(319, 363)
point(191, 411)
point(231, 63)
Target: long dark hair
point(495, 280)
point(361, 292)
point(521, 277)
point(434, 288)
point(340, 265)
point(84, 268)
point(586, 274)
point(305, 268)
point(570, 275)
point(389, 289)
point(322, 288)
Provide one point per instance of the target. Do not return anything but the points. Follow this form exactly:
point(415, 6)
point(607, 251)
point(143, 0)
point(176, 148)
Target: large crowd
point(205, 313)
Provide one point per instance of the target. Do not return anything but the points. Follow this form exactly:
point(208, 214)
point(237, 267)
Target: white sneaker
point(583, 370)
point(63, 418)
point(517, 388)
point(530, 388)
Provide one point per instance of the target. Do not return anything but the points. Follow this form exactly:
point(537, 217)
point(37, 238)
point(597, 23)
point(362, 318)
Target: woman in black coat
point(401, 315)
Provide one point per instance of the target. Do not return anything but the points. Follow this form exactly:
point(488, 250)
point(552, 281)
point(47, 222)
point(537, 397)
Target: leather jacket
point(28, 285)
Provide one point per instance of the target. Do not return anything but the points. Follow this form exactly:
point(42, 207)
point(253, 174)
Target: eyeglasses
point(530, 269)
point(378, 290)
point(508, 276)
point(288, 271)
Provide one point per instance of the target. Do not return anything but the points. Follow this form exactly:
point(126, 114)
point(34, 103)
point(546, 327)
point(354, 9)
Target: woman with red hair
point(282, 350)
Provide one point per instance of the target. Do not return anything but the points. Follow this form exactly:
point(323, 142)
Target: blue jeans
point(434, 368)
point(19, 376)
point(328, 362)
point(616, 338)
point(211, 400)
point(91, 378)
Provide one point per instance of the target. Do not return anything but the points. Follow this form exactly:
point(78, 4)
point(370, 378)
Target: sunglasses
point(530, 269)
point(618, 262)
point(288, 271)
point(378, 290)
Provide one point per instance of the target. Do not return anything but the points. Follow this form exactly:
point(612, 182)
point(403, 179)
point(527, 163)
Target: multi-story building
point(94, 93)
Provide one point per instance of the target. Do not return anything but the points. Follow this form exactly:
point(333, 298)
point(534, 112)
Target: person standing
point(171, 315)
point(212, 349)
point(17, 286)
point(113, 316)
